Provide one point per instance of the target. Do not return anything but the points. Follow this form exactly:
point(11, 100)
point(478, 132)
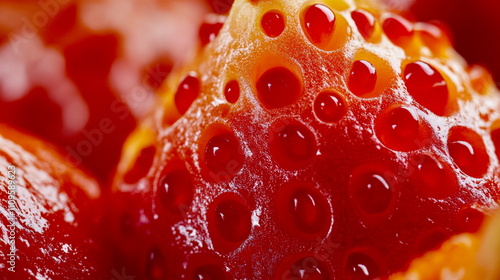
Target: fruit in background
point(50, 214)
point(80, 76)
point(324, 140)
point(474, 26)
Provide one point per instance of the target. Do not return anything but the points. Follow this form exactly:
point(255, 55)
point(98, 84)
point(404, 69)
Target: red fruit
point(340, 148)
point(50, 214)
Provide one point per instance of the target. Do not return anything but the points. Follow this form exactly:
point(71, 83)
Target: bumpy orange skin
point(50, 213)
point(372, 174)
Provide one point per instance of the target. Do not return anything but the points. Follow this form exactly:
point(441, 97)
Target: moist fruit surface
point(309, 140)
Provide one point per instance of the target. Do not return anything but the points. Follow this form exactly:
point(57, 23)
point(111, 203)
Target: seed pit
point(187, 92)
point(467, 149)
point(365, 22)
point(371, 191)
point(363, 78)
point(361, 267)
point(400, 129)
point(431, 177)
point(318, 22)
point(229, 222)
point(427, 86)
point(329, 107)
point(303, 210)
point(273, 23)
point(304, 267)
point(223, 155)
point(278, 87)
point(232, 91)
point(292, 144)
point(175, 190)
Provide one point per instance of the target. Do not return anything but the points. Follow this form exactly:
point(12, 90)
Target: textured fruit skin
point(55, 217)
point(323, 176)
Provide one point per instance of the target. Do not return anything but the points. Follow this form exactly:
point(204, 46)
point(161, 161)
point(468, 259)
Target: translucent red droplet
point(365, 22)
point(233, 220)
point(467, 149)
point(209, 31)
point(363, 78)
point(155, 266)
point(175, 190)
point(361, 267)
point(187, 92)
point(293, 144)
point(141, 166)
point(431, 177)
point(427, 86)
point(401, 130)
point(273, 23)
point(371, 192)
point(308, 268)
point(470, 219)
point(210, 272)
point(329, 107)
point(319, 22)
point(397, 29)
point(232, 91)
point(223, 155)
point(308, 211)
point(278, 87)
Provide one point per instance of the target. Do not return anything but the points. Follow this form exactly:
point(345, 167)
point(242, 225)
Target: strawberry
point(50, 213)
point(325, 140)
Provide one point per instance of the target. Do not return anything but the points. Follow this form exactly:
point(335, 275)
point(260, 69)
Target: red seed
point(175, 190)
point(273, 23)
point(371, 192)
point(427, 86)
point(363, 78)
point(397, 28)
point(400, 129)
point(319, 22)
point(141, 167)
point(329, 107)
point(224, 156)
point(188, 91)
point(433, 178)
point(293, 144)
point(467, 149)
point(365, 22)
point(232, 91)
point(278, 87)
point(208, 32)
point(361, 267)
point(308, 211)
point(233, 221)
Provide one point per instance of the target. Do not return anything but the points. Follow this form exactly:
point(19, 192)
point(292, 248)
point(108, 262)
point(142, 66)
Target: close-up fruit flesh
point(357, 141)
point(249, 139)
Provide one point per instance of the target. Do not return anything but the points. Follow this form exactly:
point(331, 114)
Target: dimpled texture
point(306, 174)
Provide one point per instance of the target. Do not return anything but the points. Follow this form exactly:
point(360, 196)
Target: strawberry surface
point(50, 214)
point(308, 140)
